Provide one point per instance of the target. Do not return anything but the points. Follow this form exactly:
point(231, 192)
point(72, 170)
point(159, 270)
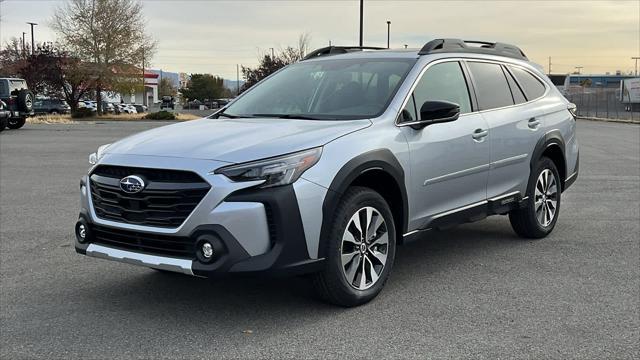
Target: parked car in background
point(108, 107)
point(51, 106)
point(127, 109)
point(18, 99)
point(90, 105)
point(168, 102)
point(4, 115)
point(140, 108)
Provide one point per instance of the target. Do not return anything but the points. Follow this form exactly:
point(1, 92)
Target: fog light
point(207, 250)
point(83, 233)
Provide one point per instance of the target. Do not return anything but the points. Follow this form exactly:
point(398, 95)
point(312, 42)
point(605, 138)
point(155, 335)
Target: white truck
point(630, 94)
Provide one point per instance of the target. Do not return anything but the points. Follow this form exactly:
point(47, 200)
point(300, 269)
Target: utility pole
point(361, 20)
point(579, 68)
point(33, 43)
point(144, 89)
point(237, 79)
point(636, 59)
point(549, 65)
point(388, 33)
point(329, 43)
point(24, 50)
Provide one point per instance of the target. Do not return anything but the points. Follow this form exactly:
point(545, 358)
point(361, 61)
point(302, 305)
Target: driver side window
point(444, 82)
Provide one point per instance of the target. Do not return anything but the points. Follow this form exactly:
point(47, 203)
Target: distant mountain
point(232, 84)
point(172, 76)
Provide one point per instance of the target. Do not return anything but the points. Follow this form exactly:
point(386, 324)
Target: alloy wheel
point(546, 198)
point(364, 248)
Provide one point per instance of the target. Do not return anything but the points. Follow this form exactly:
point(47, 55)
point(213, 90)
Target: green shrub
point(82, 113)
point(161, 115)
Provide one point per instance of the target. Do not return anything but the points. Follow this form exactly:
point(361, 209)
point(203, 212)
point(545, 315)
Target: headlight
point(96, 156)
point(275, 171)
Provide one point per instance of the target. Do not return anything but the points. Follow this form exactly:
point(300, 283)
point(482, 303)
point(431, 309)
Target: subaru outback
point(329, 164)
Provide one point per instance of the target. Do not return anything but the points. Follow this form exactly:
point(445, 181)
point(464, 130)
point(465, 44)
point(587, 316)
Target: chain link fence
point(598, 102)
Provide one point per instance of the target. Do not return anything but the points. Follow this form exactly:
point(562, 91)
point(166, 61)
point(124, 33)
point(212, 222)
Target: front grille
point(167, 200)
point(182, 247)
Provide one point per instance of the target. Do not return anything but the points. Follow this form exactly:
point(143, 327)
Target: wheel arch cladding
point(379, 170)
point(552, 146)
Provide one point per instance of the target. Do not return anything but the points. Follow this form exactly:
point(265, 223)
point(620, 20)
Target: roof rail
point(477, 47)
point(334, 50)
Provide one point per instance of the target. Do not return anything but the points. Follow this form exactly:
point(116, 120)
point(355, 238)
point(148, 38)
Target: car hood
point(235, 140)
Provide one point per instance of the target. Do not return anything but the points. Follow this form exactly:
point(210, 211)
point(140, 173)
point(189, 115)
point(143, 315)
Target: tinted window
point(491, 85)
point(532, 87)
point(518, 96)
point(444, 81)
point(3, 88)
point(409, 111)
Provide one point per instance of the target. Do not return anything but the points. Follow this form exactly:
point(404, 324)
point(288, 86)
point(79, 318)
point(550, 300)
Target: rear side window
point(444, 81)
point(531, 86)
point(518, 95)
point(17, 85)
point(492, 89)
point(4, 90)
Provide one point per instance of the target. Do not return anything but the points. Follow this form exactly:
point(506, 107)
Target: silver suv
point(326, 166)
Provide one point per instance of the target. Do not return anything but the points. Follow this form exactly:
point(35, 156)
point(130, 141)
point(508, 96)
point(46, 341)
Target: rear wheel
point(360, 249)
point(538, 218)
point(16, 123)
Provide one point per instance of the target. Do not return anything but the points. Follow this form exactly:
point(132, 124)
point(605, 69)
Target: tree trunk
point(99, 99)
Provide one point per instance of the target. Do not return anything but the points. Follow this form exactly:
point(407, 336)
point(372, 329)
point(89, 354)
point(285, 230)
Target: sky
point(211, 36)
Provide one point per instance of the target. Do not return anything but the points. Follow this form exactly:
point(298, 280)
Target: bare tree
point(109, 34)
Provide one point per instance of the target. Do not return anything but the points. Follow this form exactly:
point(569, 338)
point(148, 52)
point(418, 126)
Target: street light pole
point(636, 58)
point(388, 33)
point(33, 44)
point(361, 20)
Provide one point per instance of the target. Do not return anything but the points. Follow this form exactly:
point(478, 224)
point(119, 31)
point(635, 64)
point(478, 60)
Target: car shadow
point(244, 299)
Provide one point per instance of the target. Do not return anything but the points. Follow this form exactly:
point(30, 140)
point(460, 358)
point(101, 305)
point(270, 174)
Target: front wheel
point(538, 218)
point(360, 250)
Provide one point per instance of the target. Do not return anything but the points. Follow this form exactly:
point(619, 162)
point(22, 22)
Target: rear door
point(514, 121)
point(449, 161)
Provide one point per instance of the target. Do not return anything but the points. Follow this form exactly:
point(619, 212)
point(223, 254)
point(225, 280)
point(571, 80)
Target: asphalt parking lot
point(475, 291)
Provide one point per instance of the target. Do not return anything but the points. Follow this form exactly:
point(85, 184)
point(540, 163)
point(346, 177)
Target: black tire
point(54, 112)
point(331, 283)
point(25, 100)
point(16, 123)
point(525, 221)
point(3, 124)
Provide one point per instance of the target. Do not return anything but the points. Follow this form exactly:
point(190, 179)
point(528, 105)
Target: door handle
point(534, 123)
point(479, 134)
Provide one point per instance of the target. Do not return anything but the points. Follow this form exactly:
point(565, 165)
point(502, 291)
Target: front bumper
point(254, 230)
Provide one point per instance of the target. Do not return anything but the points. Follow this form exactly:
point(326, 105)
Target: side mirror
point(433, 112)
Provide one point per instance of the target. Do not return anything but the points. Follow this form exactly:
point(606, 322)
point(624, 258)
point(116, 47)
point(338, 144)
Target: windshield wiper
point(288, 116)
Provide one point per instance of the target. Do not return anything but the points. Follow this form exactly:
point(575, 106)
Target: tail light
point(12, 101)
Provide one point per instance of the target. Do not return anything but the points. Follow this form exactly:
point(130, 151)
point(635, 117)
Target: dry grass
point(66, 119)
point(51, 119)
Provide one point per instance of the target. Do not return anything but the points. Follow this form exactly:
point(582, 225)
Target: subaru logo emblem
point(132, 184)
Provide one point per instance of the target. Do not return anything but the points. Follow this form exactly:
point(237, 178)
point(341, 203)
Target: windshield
point(326, 89)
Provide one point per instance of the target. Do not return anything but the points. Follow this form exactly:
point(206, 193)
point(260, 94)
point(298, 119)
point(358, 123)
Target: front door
point(449, 161)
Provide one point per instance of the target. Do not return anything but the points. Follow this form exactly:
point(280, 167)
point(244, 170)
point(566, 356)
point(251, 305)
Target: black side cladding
point(378, 159)
point(289, 252)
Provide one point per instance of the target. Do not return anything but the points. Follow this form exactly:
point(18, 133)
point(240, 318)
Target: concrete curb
point(622, 121)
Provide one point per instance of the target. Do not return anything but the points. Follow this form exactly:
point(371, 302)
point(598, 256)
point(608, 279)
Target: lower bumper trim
point(154, 261)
